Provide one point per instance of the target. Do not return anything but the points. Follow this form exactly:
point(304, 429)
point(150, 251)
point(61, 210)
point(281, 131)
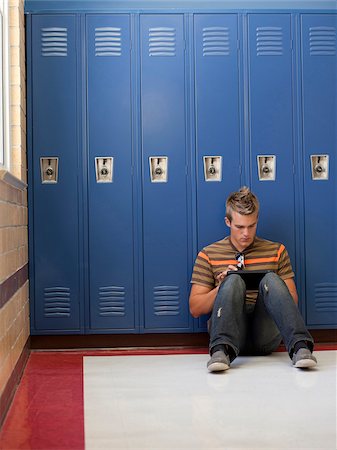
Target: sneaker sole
point(305, 363)
point(218, 367)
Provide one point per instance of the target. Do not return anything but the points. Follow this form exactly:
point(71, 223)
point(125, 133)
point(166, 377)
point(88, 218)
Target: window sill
point(10, 179)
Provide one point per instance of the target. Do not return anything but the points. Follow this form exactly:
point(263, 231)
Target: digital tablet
point(252, 278)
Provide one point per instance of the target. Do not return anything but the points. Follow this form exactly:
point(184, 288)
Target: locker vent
point(326, 297)
point(111, 301)
point(269, 41)
point(166, 300)
point(56, 302)
point(108, 41)
point(162, 41)
point(215, 41)
point(54, 41)
point(322, 41)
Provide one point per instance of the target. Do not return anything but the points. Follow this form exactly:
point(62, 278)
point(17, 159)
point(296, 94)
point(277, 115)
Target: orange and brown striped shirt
point(260, 255)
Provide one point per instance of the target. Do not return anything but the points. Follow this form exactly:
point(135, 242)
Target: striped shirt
point(260, 255)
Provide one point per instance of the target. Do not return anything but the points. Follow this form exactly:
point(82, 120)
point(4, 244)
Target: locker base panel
point(144, 340)
point(119, 341)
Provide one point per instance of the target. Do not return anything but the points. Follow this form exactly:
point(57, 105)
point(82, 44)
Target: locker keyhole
point(212, 170)
point(319, 168)
point(265, 167)
point(104, 170)
point(49, 170)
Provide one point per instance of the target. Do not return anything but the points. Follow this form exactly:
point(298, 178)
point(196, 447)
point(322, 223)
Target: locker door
point(319, 105)
point(217, 122)
point(56, 192)
point(165, 206)
point(271, 125)
point(111, 232)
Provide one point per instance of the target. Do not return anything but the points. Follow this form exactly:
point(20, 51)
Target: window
point(1, 97)
point(4, 86)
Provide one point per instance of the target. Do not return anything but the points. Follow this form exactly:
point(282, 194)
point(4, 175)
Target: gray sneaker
point(219, 362)
point(304, 359)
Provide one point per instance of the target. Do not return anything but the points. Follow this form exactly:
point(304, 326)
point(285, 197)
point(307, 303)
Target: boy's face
point(242, 229)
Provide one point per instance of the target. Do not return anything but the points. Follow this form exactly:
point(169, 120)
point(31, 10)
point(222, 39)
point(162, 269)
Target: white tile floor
point(172, 402)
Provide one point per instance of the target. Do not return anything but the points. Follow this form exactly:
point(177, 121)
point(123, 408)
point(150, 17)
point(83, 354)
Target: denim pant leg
point(282, 308)
point(265, 336)
point(227, 324)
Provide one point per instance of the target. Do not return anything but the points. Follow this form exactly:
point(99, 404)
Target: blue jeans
point(259, 331)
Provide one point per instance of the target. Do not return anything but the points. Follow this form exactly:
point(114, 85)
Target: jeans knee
point(232, 290)
point(271, 276)
point(272, 283)
point(234, 282)
point(270, 279)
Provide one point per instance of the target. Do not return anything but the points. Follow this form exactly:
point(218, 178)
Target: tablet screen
point(252, 278)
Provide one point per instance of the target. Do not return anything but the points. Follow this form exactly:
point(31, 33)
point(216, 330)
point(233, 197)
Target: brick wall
point(14, 308)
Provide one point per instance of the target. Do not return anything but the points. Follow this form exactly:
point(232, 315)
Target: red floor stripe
point(47, 412)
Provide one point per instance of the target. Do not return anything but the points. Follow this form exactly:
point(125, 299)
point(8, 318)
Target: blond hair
point(243, 202)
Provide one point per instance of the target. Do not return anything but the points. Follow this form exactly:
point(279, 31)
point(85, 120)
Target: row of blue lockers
point(141, 124)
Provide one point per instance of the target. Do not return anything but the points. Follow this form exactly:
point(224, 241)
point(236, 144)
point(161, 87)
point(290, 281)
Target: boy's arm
point(292, 288)
point(202, 299)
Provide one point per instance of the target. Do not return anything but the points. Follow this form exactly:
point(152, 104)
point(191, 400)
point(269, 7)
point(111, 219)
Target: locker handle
point(319, 167)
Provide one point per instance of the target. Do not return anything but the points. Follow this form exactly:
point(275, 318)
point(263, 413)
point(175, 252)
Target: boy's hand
point(223, 274)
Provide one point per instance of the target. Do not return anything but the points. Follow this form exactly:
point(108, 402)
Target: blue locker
point(217, 119)
point(110, 186)
point(271, 139)
point(319, 109)
point(56, 236)
point(165, 203)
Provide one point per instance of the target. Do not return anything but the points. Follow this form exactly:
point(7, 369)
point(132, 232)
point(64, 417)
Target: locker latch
point(213, 168)
point(158, 169)
point(320, 167)
point(104, 169)
point(266, 165)
point(49, 169)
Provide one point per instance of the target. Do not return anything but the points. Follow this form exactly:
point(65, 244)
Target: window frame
point(4, 87)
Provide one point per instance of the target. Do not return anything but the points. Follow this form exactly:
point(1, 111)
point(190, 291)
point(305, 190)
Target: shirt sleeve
point(202, 271)
point(285, 269)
